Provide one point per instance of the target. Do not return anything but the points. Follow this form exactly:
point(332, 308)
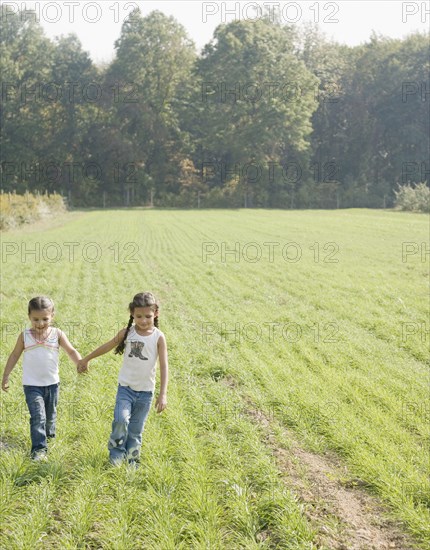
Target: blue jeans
point(131, 410)
point(42, 404)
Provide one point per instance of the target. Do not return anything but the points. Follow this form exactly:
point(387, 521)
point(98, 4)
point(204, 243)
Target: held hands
point(82, 366)
point(161, 403)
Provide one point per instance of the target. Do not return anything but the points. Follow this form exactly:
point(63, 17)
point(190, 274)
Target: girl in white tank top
point(142, 343)
point(40, 376)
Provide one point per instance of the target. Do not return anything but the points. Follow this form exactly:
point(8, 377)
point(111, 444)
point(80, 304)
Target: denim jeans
point(42, 404)
point(131, 410)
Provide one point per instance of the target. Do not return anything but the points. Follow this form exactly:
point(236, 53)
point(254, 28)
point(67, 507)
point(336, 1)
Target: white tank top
point(140, 359)
point(40, 363)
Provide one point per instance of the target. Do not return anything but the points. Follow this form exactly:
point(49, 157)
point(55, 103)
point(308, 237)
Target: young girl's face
point(40, 319)
point(144, 317)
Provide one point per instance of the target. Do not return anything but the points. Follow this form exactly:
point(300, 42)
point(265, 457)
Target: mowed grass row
point(334, 350)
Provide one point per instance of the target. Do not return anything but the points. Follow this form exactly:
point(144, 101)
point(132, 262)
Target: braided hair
point(143, 299)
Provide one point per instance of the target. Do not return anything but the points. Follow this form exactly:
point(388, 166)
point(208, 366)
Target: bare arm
point(104, 348)
point(64, 342)
point(12, 361)
point(161, 402)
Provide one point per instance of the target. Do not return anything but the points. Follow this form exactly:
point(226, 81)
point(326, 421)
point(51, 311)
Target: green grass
point(343, 375)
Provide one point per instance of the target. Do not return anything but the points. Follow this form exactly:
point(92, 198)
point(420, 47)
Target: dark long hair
point(143, 299)
point(39, 303)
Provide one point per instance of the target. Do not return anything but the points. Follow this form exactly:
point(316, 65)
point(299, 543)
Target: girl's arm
point(161, 402)
point(74, 355)
point(108, 346)
point(12, 361)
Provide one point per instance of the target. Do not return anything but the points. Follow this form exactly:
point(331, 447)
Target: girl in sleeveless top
point(141, 343)
point(40, 377)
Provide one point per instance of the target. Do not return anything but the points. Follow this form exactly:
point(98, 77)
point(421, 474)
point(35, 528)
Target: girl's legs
point(51, 402)
point(131, 410)
point(140, 411)
point(122, 413)
point(34, 396)
point(42, 405)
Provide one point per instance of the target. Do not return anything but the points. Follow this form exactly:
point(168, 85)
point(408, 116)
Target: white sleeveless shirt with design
point(40, 363)
point(140, 360)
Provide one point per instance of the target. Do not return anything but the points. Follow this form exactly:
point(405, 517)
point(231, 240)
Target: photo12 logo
point(416, 411)
point(96, 411)
point(411, 89)
point(415, 171)
point(253, 92)
point(90, 333)
point(53, 252)
point(415, 250)
point(67, 173)
point(286, 12)
point(70, 12)
point(221, 411)
point(253, 252)
point(24, 93)
point(417, 11)
point(288, 172)
point(269, 331)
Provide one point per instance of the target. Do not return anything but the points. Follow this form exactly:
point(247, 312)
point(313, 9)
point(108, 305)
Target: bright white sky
point(98, 23)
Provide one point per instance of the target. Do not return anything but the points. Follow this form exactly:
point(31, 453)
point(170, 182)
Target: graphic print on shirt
point(136, 350)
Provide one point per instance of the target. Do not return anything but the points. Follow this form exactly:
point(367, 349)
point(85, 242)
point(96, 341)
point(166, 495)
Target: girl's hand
point(5, 384)
point(82, 367)
point(161, 403)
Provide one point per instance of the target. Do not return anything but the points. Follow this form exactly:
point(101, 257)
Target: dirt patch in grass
point(345, 516)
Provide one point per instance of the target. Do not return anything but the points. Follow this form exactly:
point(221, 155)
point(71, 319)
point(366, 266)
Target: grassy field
point(317, 321)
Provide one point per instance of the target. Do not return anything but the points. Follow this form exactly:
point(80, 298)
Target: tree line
point(267, 115)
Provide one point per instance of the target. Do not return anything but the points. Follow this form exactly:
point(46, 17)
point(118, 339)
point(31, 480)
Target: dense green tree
point(71, 116)
point(375, 133)
point(26, 57)
point(153, 61)
point(254, 108)
point(331, 63)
